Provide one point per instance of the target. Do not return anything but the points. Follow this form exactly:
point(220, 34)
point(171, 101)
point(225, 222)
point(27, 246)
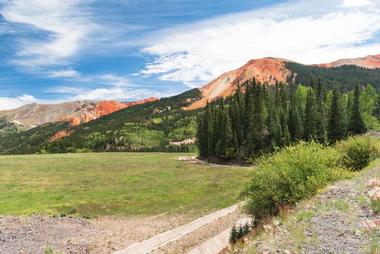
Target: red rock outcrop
point(139, 102)
point(103, 108)
point(100, 109)
point(265, 70)
point(59, 135)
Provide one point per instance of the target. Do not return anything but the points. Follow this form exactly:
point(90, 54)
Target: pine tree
point(249, 132)
point(246, 229)
point(284, 128)
point(294, 120)
point(233, 235)
point(208, 126)
point(258, 118)
point(335, 126)
point(240, 233)
point(201, 137)
point(309, 122)
point(356, 123)
point(320, 114)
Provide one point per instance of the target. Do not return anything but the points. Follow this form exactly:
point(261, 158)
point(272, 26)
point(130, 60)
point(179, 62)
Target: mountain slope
point(142, 127)
point(369, 62)
point(77, 112)
point(271, 70)
point(265, 70)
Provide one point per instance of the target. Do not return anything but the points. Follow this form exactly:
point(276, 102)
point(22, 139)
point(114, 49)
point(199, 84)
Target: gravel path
point(179, 234)
point(199, 236)
point(219, 242)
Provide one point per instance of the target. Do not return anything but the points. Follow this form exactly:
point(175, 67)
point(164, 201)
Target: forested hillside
point(343, 77)
point(148, 127)
point(7, 128)
point(262, 119)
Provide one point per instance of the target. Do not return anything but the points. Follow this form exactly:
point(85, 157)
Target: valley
point(162, 124)
point(189, 127)
point(128, 176)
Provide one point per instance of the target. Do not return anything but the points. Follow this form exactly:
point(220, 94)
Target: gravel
point(35, 233)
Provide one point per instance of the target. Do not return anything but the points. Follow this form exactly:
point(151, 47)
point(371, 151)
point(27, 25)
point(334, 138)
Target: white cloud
point(77, 94)
point(65, 22)
point(66, 73)
point(115, 80)
point(308, 32)
point(15, 102)
point(115, 93)
point(356, 3)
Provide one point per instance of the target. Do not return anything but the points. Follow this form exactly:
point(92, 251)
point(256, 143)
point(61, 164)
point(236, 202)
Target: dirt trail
point(175, 234)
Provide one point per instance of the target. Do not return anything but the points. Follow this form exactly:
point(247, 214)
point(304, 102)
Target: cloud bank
point(15, 102)
point(64, 24)
point(307, 32)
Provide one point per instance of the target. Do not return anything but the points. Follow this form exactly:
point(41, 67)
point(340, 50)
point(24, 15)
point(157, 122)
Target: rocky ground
point(338, 220)
point(35, 234)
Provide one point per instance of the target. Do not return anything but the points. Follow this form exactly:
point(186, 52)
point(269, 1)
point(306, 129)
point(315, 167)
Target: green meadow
point(120, 184)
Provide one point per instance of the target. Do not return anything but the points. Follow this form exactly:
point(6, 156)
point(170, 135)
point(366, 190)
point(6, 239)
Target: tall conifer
point(356, 123)
point(335, 126)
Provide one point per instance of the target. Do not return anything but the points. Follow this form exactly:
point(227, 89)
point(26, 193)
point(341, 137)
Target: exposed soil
point(215, 162)
point(77, 235)
point(186, 243)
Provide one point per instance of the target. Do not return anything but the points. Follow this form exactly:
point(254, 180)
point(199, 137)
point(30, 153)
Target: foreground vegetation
point(316, 225)
point(295, 173)
point(298, 172)
point(114, 184)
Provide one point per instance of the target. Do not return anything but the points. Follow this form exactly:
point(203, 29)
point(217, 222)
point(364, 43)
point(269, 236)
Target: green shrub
point(375, 206)
point(357, 152)
point(289, 175)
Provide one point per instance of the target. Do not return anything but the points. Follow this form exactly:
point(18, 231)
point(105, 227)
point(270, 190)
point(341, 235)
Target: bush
point(357, 152)
point(289, 175)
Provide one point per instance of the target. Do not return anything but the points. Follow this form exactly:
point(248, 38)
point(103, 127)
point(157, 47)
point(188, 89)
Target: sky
point(53, 50)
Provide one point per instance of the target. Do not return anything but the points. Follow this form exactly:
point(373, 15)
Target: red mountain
point(266, 70)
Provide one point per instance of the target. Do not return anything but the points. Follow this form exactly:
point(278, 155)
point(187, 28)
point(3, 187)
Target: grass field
point(114, 184)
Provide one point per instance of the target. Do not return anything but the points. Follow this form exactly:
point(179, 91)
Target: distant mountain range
point(156, 124)
point(77, 112)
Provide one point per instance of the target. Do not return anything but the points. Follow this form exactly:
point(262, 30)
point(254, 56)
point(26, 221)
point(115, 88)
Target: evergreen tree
point(294, 121)
point(208, 126)
point(309, 122)
point(335, 126)
point(233, 235)
point(356, 124)
point(201, 137)
point(258, 118)
point(320, 113)
point(249, 132)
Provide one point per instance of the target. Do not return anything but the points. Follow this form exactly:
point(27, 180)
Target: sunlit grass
point(96, 184)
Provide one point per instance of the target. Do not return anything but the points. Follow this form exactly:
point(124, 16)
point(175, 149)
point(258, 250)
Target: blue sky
point(53, 50)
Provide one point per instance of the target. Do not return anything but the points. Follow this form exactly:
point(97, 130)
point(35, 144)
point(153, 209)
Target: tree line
point(258, 118)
